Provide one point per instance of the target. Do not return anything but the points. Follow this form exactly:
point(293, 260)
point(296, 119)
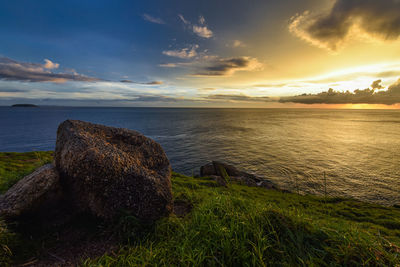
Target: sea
point(345, 153)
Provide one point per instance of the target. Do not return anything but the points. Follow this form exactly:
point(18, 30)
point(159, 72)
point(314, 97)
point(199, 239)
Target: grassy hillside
point(237, 226)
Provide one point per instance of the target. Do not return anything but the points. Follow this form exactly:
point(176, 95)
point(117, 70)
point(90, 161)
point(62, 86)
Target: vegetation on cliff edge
point(236, 226)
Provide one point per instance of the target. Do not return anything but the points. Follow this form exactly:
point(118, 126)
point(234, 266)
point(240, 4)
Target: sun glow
point(363, 73)
point(370, 106)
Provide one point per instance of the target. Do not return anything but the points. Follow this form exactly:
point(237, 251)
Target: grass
point(7, 239)
point(240, 226)
point(14, 165)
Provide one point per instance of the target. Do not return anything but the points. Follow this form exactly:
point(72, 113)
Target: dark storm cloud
point(227, 66)
point(240, 98)
point(145, 83)
point(378, 18)
point(12, 70)
point(367, 96)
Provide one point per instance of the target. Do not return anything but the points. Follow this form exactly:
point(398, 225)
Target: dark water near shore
point(358, 149)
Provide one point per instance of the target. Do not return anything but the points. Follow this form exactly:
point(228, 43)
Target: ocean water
point(359, 150)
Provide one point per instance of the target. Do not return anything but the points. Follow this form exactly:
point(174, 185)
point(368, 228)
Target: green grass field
point(239, 226)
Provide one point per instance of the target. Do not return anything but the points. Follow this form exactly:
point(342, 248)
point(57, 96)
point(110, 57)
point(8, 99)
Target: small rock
point(34, 193)
point(220, 181)
point(215, 170)
point(244, 180)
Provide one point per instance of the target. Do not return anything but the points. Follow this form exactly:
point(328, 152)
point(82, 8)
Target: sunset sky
point(201, 53)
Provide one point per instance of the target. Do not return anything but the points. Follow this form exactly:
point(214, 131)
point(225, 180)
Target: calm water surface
point(358, 149)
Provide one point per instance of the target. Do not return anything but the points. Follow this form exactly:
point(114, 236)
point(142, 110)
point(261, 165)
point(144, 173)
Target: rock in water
point(106, 170)
point(216, 169)
point(34, 192)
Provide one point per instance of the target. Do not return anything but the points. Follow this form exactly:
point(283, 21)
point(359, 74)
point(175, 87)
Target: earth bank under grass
point(238, 225)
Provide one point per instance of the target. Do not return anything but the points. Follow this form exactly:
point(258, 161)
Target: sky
point(219, 53)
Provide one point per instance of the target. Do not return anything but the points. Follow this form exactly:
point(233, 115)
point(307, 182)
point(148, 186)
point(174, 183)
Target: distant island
point(24, 106)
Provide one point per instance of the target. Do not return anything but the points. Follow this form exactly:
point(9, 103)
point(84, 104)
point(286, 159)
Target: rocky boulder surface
point(223, 173)
point(32, 194)
point(106, 170)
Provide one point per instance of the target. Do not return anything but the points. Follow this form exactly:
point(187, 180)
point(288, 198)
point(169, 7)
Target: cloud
point(12, 90)
point(145, 83)
point(355, 75)
point(241, 98)
point(50, 65)
point(184, 53)
point(207, 89)
point(168, 65)
point(377, 85)
point(200, 30)
point(388, 73)
point(183, 19)
point(73, 71)
point(270, 85)
point(153, 99)
point(152, 19)
point(211, 65)
point(238, 43)
point(394, 89)
point(154, 83)
point(11, 70)
point(377, 19)
point(202, 20)
point(228, 66)
point(367, 96)
point(144, 99)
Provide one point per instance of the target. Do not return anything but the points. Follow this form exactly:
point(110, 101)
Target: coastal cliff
point(212, 224)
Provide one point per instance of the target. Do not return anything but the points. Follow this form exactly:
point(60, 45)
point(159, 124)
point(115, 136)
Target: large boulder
point(32, 194)
point(106, 170)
